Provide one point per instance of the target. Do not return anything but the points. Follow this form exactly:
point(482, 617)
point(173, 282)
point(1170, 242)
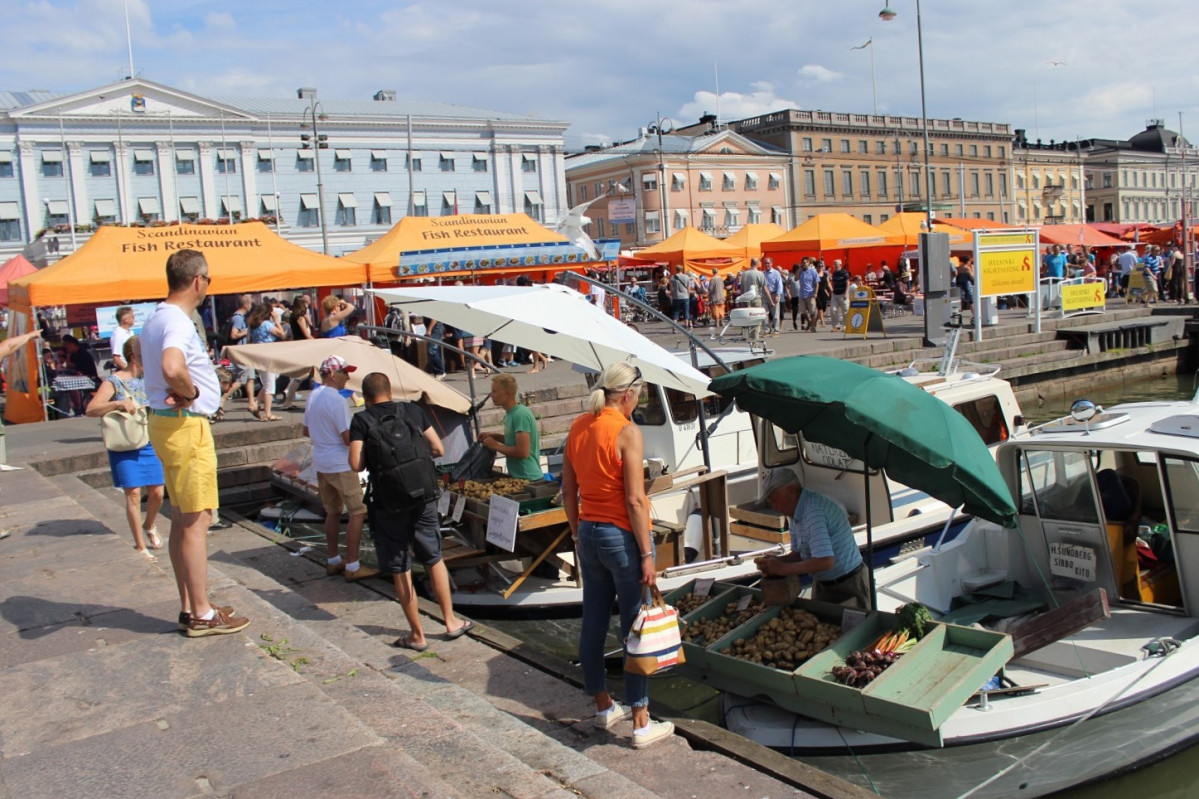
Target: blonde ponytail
point(615, 379)
point(596, 401)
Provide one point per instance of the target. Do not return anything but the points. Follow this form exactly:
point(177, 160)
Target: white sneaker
point(656, 731)
point(612, 716)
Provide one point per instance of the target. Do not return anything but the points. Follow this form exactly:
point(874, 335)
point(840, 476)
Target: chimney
point(306, 93)
point(385, 96)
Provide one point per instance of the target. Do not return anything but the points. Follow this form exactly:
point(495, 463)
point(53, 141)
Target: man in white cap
point(327, 423)
point(822, 542)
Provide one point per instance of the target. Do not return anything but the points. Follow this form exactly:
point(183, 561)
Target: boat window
point(650, 410)
point(682, 406)
point(1182, 487)
point(1060, 484)
point(985, 414)
point(781, 447)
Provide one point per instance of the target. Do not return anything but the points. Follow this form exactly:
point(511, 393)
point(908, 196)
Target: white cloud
point(735, 105)
point(818, 74)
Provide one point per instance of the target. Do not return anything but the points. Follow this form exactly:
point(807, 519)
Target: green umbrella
point(882, 420)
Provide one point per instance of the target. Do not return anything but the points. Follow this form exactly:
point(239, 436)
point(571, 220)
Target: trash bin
point(990, 311)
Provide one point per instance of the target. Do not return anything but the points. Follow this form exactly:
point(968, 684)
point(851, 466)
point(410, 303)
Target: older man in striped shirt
point(822, 542)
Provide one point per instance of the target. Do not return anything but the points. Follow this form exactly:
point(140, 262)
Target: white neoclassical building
point(330, 173)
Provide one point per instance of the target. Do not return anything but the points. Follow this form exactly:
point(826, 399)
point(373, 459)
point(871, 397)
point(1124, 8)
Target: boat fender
point(693, 536)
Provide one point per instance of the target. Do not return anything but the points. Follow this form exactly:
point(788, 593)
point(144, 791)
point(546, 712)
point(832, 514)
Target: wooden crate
point(722, 594)
point(761, 524)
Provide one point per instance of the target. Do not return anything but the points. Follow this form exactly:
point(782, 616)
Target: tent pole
point(869, 524)
point(41, 370)
point(370, 305)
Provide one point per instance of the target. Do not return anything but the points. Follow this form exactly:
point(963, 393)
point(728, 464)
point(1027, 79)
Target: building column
point(515, 166)
point(210, 204)
point(249, 179)
point(121, 164)
point(552, 185)
point(499, 178)
point(76, 174)
point(168, 189)
point(35, 213)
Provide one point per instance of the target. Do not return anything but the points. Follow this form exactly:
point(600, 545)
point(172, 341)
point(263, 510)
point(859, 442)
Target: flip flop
point(405, 642)
point(269, 418)
point(467, 626)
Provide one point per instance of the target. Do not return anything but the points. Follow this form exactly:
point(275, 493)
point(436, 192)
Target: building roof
point(671, 145)
point(1156, 138)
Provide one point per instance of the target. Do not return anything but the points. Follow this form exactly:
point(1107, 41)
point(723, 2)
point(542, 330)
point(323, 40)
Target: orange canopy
point(832, 231)
point(1077, 234)
point(421, 233)
point(975, 224)
point(123, 263)
point(16, 267)
point(695, 249)
point(911, 224)
point(750, 237)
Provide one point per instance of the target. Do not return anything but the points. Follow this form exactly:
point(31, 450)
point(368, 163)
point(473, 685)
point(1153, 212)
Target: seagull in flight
point(1056, 63)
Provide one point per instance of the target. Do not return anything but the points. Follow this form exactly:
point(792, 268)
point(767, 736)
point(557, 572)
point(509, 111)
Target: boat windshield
point(1057, 485)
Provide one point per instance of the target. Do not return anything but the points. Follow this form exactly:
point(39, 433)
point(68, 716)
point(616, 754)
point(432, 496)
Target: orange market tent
point(465, 244)
point(975, 224)
point(16, 267)
point(832, 231)
point(123, 263)
point(1072, 235)
point(751, 237)
point(910, 225)
point(696, 250)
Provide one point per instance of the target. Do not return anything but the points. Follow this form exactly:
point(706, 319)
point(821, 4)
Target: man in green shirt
point(520, 443)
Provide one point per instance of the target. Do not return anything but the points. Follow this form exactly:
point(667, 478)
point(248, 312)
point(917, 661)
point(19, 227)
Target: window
point(881, 176)
point(599, 227)
point(479, 162)
point(1002, 151)
point(809, 182)
point(630, 229)
point(987, 150)
point(830, 188)
point(1003, 184)
point(185, 162)
point(915, 184)
point(449, 203)
point(751, 181)
point(305, 160)
point(483, 201)
point(990, 184)
point(778, 216)
point(149, 209)
point(883, 218)
point(774, 181)
point(270, 205)
point(868, 219)
point(895, 147)
point(420, 206)
point(310, 210)
point(945, 150)
point(864, 147)
point(52, 164)
point(6, 165)
point(680, 218)
point(599, 189)
point(414, 163)
point(957, 150)
point(705, 181)
point(10, 220)
point(973, 184)
point(533, 205)
point(652, 223)
point(347, 210)
point(56, 212)
point(226, 162)
point(101, 164)
point(753, 214)
point(974, 151)
point(913, 148)
point(880, 147)
point(189, 208)
point(707, 220)
point(826, 145)
point(732, 216)
point(729, 182)
point(1019, 181)
point(649, 181)
point(528, 163)
point(806, 146)
point(1036, 181)
point(678, 181)
point(378, 161)
point(231, 207)
point(381, 214)
point(847, 183)
point(446, 162)
point(845, 146)
point(143, 162)
point(864, 182)
point(106, 212)
point(1107, 180)
point(946, 184)
point(342, 161)
point(266, 161)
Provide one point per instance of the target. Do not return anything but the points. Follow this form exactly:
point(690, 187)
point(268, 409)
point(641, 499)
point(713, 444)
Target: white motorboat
point(1098, 586)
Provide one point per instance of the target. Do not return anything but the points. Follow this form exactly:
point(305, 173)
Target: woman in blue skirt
point(131, 471)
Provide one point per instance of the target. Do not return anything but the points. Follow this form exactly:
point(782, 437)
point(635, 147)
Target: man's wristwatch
point(195, 396)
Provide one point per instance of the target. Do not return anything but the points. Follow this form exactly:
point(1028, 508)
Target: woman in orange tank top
point(603, 492)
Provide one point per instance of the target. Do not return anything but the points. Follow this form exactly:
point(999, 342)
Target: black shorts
point(398, 534)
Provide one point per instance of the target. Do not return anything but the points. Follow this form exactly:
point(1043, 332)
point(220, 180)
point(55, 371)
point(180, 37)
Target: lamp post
point(886, 15)
point(662, 125)
point(317, 141)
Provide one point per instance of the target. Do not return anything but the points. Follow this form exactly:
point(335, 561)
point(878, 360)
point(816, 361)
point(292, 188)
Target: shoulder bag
point(123, 431)
point(655, 641)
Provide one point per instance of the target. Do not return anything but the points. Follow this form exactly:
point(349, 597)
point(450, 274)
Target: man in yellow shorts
point(183, 391)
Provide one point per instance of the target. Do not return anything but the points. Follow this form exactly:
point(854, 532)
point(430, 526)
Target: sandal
point(147, 554)
point(153, 537)
point(219, 416)
point(262, 418)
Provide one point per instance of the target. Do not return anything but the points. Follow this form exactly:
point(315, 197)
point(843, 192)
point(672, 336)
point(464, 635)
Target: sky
point(1061, 69)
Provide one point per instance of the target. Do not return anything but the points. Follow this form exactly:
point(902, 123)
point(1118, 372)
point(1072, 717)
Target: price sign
point(501, 522)
point(851, 619)
point(443, 503)
point(703, 586)
point(459, 506)
point(743, 603)
point(1072, 560)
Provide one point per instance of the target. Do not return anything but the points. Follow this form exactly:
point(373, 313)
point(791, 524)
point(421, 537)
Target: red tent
point(15, 267)
point(1072, 235)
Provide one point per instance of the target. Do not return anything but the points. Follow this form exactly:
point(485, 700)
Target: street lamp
point(886, 15)
point(317, 141)
point(662, 125)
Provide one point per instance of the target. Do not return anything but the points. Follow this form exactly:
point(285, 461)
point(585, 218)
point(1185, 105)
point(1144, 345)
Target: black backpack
point(402, 474)
point(225, 334)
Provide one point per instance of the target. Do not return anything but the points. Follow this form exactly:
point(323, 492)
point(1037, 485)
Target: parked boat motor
point(746, 315)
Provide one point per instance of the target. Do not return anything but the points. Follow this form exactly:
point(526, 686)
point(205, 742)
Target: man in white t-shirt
point(183, 391)
point(120, 334)
point(327, 423)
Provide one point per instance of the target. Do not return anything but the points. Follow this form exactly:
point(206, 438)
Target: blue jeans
point(610, 560)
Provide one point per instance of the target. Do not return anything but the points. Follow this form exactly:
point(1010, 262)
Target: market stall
point(697, 251)
point(834, 236)
point(752, 235)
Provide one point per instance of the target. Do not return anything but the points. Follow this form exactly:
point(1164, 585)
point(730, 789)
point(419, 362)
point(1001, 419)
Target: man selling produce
point(520, 442)
point(822, 542)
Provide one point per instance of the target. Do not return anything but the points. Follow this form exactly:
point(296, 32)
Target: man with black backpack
point(396, 442)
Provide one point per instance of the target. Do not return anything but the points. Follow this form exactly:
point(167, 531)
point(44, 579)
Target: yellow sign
point(1004, 239)
point(864, 314)
point(1076, 297)
point(1007, 272)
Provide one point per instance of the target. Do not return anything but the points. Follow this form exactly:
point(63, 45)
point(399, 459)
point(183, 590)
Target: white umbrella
point(550, 319)
point(298, 358)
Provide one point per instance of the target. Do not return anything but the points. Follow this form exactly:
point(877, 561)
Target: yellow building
point(1048, 185)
